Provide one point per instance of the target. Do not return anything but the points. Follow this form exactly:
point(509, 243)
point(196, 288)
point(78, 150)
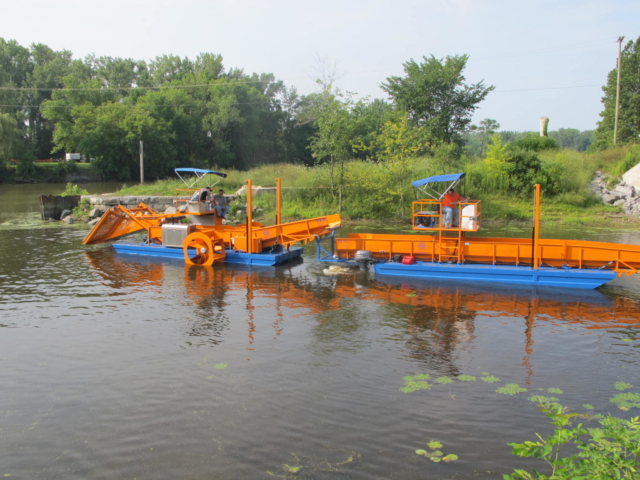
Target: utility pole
point(615, 127)
point(141, 164)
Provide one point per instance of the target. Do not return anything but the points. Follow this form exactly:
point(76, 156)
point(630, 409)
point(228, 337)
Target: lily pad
point(433, 444)
point(421, 452)
point(452, 457)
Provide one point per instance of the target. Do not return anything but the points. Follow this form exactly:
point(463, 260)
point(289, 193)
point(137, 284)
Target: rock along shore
point(622, 195)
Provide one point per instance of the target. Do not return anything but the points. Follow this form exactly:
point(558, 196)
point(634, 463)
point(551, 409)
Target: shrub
point(630, 160)
point(73, 190)
point(609, 451)
point(534, 143)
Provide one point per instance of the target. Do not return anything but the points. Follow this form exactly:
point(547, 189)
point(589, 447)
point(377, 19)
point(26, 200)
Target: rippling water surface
point(115, 366)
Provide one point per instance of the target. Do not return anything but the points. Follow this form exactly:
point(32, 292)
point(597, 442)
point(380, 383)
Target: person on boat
point(450, 203)
point(202, 195)
point(220, 204)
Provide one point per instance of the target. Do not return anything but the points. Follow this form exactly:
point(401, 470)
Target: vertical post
point(536, 227)
point(249, 218)
point(141, 164)
point(278, 202)
point(615, 126)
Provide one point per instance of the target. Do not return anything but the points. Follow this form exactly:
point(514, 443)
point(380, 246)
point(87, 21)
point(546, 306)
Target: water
point(115, 366)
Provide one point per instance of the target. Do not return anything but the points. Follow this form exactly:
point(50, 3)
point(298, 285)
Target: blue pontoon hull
point(241, 258)
point(544, 276)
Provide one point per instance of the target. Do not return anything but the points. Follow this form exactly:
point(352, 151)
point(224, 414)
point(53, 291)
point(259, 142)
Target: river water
point(114, 366)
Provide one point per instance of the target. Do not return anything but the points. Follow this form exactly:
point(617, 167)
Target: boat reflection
point(435, 319)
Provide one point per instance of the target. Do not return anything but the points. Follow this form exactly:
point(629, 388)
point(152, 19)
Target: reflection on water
point(111, 366)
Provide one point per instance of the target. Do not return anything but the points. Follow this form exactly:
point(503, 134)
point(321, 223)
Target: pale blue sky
point(532, 46)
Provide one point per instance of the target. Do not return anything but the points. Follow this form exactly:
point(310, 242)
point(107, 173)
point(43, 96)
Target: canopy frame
point(200, 174)
point(428, 185)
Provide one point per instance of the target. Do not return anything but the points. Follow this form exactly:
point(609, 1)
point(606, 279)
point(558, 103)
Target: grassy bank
point(375, 191)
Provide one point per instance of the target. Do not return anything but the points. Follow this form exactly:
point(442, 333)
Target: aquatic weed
point(220, 366)
point(623, 386)
point(511, 389)
point(436, 455)
point(555, 390)
point(588, 406)
point(466, 378)
point(413, 386)
point(542, 399)
point(626, 401)
point(490, 379)
point(443, 380)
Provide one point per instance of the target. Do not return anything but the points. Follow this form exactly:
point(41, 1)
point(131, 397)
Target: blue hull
point(544, 276)
point(239, 258)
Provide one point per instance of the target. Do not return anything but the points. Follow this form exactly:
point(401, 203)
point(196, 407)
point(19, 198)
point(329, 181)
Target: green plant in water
point(627, 400)
point(466, 378)
point(416, 382)
point(489, 379)
point(588, 406)
point(443, 380)
point(623, 386)
point(609, 451)
point(542, 399)
point(627, 339)
point(555, 390)
point(436, 455)
point(511, 389)
point(291, 469)
point(220, 366)
point(412, 386)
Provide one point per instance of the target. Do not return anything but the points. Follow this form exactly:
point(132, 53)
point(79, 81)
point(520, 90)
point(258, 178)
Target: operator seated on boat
point(450, 203)
point(220, 204)
point(203, 195)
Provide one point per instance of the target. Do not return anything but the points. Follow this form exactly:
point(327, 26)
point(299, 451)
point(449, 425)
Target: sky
point(545, 58)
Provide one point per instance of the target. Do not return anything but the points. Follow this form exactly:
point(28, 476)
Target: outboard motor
point(363, 258)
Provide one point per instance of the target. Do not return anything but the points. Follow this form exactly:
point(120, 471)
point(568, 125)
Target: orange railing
point(428, 215)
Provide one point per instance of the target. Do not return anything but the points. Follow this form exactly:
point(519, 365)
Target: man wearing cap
point(220, 204)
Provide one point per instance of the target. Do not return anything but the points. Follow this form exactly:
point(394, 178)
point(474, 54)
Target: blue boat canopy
point(428, 185)
point(199, 173)
point(451, 177)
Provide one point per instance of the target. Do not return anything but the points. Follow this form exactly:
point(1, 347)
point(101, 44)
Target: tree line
point(200, 113)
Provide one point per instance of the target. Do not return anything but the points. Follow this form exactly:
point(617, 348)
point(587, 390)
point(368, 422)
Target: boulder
point(69, 220)
point(170, 210)
point(606, 198)
point(624, 191)
point(95, 213)
point(64, 214)
point(617, 203)
point(93, 221)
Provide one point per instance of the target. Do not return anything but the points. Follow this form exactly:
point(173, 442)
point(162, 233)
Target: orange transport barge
point(447, 252)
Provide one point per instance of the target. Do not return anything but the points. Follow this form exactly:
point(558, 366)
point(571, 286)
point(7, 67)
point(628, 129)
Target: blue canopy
point(200, 171)
point(451, 177)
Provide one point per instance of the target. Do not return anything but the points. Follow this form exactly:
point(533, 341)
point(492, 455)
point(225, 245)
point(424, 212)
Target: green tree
point(10, 137)
point(395, 147)
point(436, 97)
point(332, 142)
point(629, 120)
